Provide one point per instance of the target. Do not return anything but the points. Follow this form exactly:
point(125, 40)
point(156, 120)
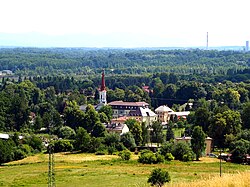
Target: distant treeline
point(88, 62)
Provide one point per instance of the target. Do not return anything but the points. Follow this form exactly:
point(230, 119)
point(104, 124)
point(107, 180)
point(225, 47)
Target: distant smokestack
point(247, 45)
point(207, 41)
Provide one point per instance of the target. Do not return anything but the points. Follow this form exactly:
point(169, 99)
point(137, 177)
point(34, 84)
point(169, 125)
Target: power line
point(158, 98)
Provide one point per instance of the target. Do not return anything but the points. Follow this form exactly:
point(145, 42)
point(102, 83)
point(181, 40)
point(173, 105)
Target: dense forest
point(85, 62)
point(49, 85)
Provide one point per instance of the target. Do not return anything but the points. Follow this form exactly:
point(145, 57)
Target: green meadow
point(90, 170)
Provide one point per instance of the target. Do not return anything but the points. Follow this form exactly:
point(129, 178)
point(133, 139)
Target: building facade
point(121, 108)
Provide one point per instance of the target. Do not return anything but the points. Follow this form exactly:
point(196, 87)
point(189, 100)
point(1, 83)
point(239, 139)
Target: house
point(180, 115)
point(144, 114)
point(7, 136)
point(208, 142)
point(164, 112)
point(117, 128)
point(6, 72)
point(4, 136)
point(121, 108)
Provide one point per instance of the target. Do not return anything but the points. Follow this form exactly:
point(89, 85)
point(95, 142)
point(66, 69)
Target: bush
point(19, 154)
point(148, 157)
point(26, 149)
point(169, 157)
point(96, 144)
point(62, 146)
point(6, 151)
point(128, 140)
point(66, 133)
point(158, 177)
point(166, 148)
point(111, 150)
point(125, 155)
point(181, 149)
point(241, 149)
point(159, 158)
point(35, 142)
point(188, 157)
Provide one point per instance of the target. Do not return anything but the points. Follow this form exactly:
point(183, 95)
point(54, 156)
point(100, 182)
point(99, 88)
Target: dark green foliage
point(198, 141)
point(111, 150)
point(6, 151)
point(135, 129)
point(246, 116)
point(66, 132)
point(18, 154)
point(73, 116)
point(35, 142)
point(98, 130)
point(169, 157)
point(182, 152)
point(228, 122)
point(111, 139)
point(148, 157)
point(241, 148)
point(83, 140)
point(91, 118)
point(9, 151)
point(128, 140)
point(202, 118)
point(125, 155)
point(145, 133)
point(245, 134)
point(62, 146)
point(107, 110)
point(167, 147)
point(103, 118)
point(159, 177)
point(26, 149)
point(157, 132)
point(169, 134)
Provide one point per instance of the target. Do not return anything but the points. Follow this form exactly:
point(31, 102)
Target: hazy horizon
point(123, 24)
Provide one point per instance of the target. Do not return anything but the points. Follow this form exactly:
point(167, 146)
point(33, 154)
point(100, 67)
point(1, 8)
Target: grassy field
point(90, 170)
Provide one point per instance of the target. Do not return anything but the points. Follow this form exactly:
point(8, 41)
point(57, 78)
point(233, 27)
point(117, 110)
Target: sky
point(124, 23)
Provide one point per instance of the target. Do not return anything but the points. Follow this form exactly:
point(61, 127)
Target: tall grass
point(241, 179)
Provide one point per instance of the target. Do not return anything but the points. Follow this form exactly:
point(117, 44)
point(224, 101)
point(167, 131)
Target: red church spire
point(103, 87)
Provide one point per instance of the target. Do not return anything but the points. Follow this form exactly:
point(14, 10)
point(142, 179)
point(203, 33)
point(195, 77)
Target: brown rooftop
point(121, 103)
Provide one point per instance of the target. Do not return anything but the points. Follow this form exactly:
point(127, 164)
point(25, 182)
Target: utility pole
point(51, 172)
point(220, 162)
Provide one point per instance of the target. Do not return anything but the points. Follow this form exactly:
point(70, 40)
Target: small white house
point(117, 128)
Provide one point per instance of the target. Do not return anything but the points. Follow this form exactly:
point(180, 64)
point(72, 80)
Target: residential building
point(180, 115)
point(121, 108)
point(117, 128)
point(144, 114)
point(164, 113)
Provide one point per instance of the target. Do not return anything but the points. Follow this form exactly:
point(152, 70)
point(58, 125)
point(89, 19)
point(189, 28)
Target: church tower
point(102, 92)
